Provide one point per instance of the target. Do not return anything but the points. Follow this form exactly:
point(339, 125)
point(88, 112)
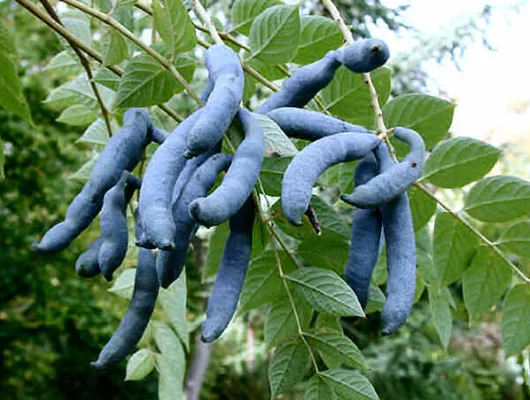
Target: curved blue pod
point(223, 102)
point(189, 169)
point(114, 232)
point(365, 237)
point(310, 125)
point(87, 265)
point(305, 168)
point(122, 152)
point(400, 254)
point(396, 180)
point(160, 176)
point(135, 320)
point(159, 135)
point(303, 85)
point(169, 263)
point(231, 274)
point(363, 55)
point(240, 179)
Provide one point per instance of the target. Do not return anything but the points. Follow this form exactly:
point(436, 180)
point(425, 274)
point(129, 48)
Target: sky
point(491, 88)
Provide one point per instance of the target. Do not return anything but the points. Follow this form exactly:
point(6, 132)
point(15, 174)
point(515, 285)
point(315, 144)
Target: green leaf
point(12, 98)
point(245, 11)
point(485, 281)
point(171, 364)
point(271, 72)
point(78, 115)
point(376, 300)
point(454, 247)
point(441, 315)
point(275, 34)
point(329, 322)
point(83, 173)
point(140, 365)
point(326, 291)
point(422, 207)
point(78, 24)
point(516, 239)
point(424, 256)
point(499, 199)
point(318, 36)
point(276, 142)
point(335, 348)
point(146, 82)
point(325, 252)
point(97, 132)
point(318, 389)
point(515, 317)
point(281, 323)
point(173, 300)
point(347, 96)
point(2, 159)
point(215, 250)
point(174, 25)
point(429, 116)
point(332, 224)
point(459, 161)
point(249, 88)
point(116, 49)
point(262, 282)
point(107, 79)
point(341, 175)
point(78, 91)
point(349, 384)
point(271, 174)
point(288, 366)
point(64, 62)
point(123, 286)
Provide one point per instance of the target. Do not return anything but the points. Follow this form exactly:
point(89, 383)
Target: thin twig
point(60, 30)
point(113, 23)
point(348, 38)
point(295, 311)
point(86, 65)
point(207, 21)
point(475, 231)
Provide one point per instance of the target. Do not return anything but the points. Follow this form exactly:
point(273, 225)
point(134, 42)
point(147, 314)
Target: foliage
point(458, 251)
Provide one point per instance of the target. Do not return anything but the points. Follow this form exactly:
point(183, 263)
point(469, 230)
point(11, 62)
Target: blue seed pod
point(400, 254)
point(396, 180)
point(114, 232)
point(312, 161)
point(223, 102)
point(169, 263)
point(366, 240)
point(135, 320)
point(231, 274)
point(310, 125)
point(160, 176)
point(87, 265)
point(122, 152)
point(189, 169)
point(303, 85)
point(159, 135)
point(240, 179)
point(364, 55)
